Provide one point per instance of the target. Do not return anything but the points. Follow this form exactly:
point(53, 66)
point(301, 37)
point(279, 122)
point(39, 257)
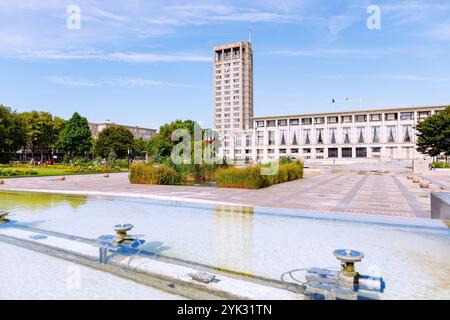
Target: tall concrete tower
point(233, 87)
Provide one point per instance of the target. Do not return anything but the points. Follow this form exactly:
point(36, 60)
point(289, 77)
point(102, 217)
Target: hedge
point(250, 177)
point(142, 173)
point(17, 172)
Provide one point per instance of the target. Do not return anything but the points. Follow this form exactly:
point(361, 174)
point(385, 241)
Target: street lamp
point(129, 152)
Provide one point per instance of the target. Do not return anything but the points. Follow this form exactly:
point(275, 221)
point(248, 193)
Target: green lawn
point(42, 172)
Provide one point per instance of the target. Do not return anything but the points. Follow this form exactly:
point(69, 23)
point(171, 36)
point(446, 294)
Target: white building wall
point(388, 147)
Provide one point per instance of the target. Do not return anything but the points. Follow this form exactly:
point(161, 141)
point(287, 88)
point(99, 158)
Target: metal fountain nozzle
point(121, 232)
point(3, 215)
point(348, 258)
point(344, 284)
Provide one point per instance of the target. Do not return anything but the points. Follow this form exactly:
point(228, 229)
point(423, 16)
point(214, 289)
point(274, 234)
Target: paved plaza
point(362, 192)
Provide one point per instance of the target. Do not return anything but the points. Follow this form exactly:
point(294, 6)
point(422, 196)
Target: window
point(375, 131)
point(361, 131)
point(333, 119)
point(319, 120)
point(271, 123)
point(390, 116)
point(294, 122)
point(295, 135)
point(319, 136)
point(346, 152)
point(306, 150)
point(423, 114)
point(361, 118)
point(306, 139)
point(407, 133)
point(282, 150)
point(406, 115)
point(332, 152)
point(375, 117)
point(319, 150)
point(361, 152)
point(282, 123)
point(306, 121)
point(333, 133)
point(346, 135)
point(259, 153)
point(391, 134)
point(238, 140)
point(294, 150)
point(346, 119)
point(260, 138)
point(248, 140)
point(271, 137)
point(283, 137)
point(259, 124)
point(376, 149)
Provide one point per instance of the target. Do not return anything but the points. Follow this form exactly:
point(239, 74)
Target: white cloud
point(408, 77)
point(114, 81)
point(72, 81)
point(332, 53)
point(440, 32)
point(97, 55)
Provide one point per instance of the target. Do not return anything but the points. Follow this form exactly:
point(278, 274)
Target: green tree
point(433, 134)
point(114, 139)
point(40, 131)
point(12, 133)
point(138, 147)
point(75, 139)
point(161, 145)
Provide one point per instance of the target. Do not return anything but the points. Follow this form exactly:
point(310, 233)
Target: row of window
point(227, 54)
point(226, 76)
point(236, 63)
point(227, 81)
point(227, 70)
point(343, 119)
point(363, 135)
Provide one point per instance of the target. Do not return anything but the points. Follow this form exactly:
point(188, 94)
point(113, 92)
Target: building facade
point(233, 88)
point(360, 134)
point(138, 132)
point(365, 134)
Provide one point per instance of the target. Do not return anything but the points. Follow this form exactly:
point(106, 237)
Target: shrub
point(442, 165)
point(250, 177)
point(142, 173)
point(121, 163)
point(17, 172)
point(232, 177)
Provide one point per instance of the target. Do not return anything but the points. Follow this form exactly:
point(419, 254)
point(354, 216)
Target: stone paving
point(348, 192)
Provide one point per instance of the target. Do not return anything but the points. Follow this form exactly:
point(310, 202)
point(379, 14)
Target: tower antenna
point(250, 33)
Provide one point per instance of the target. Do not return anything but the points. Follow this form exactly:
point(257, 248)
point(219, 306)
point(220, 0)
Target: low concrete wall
point(440, 205)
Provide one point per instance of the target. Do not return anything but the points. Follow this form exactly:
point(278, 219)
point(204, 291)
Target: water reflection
point(233, 238)
point(38, 201)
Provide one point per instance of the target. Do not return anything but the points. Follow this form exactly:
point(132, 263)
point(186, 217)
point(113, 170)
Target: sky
point(147, 62)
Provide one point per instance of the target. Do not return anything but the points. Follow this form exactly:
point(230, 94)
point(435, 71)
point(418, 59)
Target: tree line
point(433, 134)
point(41, 135)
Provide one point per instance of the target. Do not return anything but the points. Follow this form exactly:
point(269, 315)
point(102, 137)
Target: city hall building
point(361, 134)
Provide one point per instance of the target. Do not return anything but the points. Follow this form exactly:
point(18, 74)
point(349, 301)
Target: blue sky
point(149, 62)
